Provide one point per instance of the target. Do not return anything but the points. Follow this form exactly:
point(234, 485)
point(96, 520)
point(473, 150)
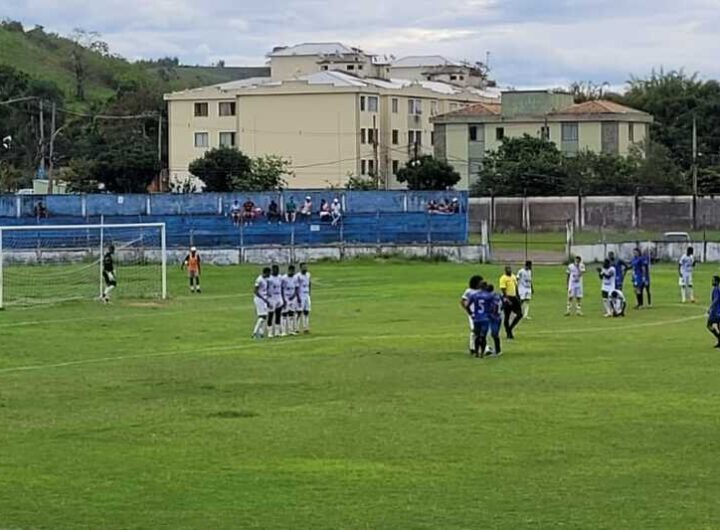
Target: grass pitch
point(137, 416)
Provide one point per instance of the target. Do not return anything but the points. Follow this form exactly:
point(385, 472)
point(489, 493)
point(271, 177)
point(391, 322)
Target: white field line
point(246, 346)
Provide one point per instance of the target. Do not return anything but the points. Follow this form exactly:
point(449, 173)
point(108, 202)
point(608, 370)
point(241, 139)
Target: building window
point(545, 132)
point(394, 105)
point(462, 78)
point(350, 67)
point(362, 136)
point(453, 78)
point(415, 137)
point(202, 139)
point(324, 67)
point(395, 137)
point(371, 135)
point(226, 108)
point(433, 107)
point(227, 139)
point(569, 132)
point(201, 110)
point(372, 103)
point(473, 133)
point(360, 67)
point(362, 103)
point(395, 167)
point(631, 132)
point(432, 137)
point(499, 133)
point(363, 167)
point(453, 106)
point(414, 106)
point(371, 167)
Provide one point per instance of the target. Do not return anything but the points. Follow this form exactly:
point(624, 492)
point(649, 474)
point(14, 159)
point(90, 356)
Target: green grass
point(134, 416)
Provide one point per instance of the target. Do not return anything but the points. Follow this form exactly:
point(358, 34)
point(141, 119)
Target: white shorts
point(575, 291)
point(275, 303)
point(291, 306)
point(472, 324)
point(305, 304)
point(261, 308)
point(525, 294)
point(686, 280)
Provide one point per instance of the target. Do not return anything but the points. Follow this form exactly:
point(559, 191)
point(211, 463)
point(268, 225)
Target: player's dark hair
point(490, 288)
point(716, 279)
point(291, 268)
point(606, 263)
point(475, 282)
point(528, 263)
point(275, 268)
point(111, 248)
point(614, 294)
point(266, 270)
point(690, 251)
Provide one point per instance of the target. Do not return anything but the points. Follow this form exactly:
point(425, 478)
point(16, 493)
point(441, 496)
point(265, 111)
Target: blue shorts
point(495, 327)
point(638, 282)
point(480, 329)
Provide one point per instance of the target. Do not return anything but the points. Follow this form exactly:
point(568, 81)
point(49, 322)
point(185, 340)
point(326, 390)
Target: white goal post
point(42, 264)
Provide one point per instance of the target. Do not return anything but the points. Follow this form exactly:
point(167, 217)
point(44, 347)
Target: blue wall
point(202, 219)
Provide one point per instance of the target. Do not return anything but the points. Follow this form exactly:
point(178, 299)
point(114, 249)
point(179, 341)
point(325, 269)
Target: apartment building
point(287, 62)
point(464, 136)
point(439, 68)
point(330, 124)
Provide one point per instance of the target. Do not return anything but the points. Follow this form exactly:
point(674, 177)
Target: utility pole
point(694, 157)
point(41, 119)
point(376, 176)
point(51, 152)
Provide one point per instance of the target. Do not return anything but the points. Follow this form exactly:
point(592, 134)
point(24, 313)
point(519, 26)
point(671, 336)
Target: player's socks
point(567, 310)
point(578, 309)
point(683, 295)
point(257, 331)
point(496, 341)
point(691, 295)
point(639, 297)
point(526, 309)
point(471, 343)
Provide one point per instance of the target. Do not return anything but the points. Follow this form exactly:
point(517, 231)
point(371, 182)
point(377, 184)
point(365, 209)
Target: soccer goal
point(57, 263)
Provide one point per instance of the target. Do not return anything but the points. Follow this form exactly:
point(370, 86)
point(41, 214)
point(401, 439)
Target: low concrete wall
point(659, 250)
point(258, 255)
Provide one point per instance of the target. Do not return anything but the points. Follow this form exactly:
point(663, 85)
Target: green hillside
point(49, 57)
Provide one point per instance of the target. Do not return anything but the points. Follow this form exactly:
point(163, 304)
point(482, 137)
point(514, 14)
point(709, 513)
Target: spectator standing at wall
point(248, 212)
point(432, 206)
point(455, 206)
point(306, 209)
point(41, 211)
point(273, 212)
point(236, 212)
point(336, 211)
point(290, 210)
point(324, 212)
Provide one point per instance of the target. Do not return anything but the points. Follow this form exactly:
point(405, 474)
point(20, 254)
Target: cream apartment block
point(438, 68)
point(331, 124)
point(464, 136)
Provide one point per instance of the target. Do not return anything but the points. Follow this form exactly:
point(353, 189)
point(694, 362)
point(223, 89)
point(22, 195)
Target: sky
point(532, 43)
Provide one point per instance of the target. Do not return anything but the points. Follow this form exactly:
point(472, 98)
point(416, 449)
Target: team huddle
point(282, 302)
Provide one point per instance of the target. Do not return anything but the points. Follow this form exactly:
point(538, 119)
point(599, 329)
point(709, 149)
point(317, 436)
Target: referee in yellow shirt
point(511, 301)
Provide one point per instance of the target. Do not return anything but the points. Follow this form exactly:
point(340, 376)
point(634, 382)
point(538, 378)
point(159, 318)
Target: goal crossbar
point(102, 227)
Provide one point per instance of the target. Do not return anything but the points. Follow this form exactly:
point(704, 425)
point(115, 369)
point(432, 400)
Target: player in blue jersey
point(480, 305)
point(620, 269)
point(640, 275)
point(646, 259)
point(713, 322)
point(496, 316)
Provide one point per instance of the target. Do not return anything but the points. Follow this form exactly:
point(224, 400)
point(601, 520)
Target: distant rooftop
point(314, 48)
point(420, 61)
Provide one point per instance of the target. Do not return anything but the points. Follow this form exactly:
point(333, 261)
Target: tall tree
point(221, 168)
point(428, 173)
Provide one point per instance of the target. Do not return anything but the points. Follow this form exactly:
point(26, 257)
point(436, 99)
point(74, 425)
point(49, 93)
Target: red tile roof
point(478, 109)
point(600, 106)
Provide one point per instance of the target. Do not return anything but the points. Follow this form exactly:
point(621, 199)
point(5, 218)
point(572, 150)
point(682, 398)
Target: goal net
point(50, 264)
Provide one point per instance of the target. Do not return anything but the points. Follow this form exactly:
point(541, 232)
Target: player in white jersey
point(473, 287)
point(607, 285)
point(276, 302)
point(617, 303)
point(304, 291)
point(260, 297)
point(525, 287)
point(685, 272)
point(575, 273)
point(290, 302)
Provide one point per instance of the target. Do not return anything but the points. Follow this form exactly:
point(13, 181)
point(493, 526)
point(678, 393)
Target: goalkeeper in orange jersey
point(192, 262)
